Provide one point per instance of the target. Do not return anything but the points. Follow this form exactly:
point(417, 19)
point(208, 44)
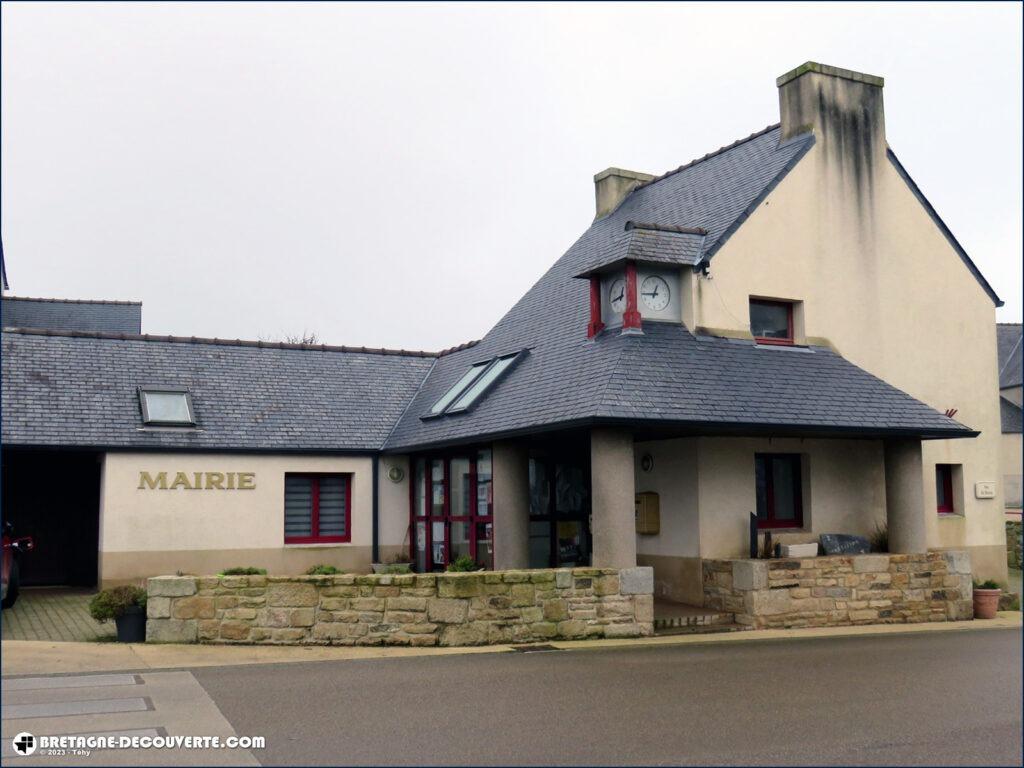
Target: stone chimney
point(612, 185)
point(842, 108)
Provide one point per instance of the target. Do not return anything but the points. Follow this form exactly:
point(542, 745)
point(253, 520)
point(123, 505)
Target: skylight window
point(473, 384)
point(166, 406)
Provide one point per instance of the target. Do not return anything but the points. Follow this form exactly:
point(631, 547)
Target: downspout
point(376, 509)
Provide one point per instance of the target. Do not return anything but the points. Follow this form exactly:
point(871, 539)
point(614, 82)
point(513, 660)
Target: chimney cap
point(825, 69)
point(622, 173)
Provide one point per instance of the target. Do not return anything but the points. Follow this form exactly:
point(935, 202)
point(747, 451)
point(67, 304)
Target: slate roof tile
point(71, 314)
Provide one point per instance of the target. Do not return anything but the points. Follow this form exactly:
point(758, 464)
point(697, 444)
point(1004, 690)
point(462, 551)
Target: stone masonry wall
point(842, 590)
point(408, 609)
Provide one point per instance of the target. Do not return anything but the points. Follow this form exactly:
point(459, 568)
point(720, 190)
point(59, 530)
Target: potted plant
point(397, 563)
point(986, 599)
point(463, 564)
point(127, 607)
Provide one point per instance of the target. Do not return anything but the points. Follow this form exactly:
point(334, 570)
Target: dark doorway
point(560, 503)
point(53, 496)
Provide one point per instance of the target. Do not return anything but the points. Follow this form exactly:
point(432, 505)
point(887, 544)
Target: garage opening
point(54, 497)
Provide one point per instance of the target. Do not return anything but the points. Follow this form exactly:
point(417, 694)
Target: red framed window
point(452, 508)
point(317, 508)
point(944, 489)
point(779, 490)
point(771, 322)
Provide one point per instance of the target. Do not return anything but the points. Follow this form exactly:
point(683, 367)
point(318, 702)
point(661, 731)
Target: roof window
point(167, 406)
point(475, 382)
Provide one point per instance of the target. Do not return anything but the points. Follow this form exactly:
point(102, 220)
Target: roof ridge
point(74, 301)
point(110, 336)
point(708, 156)
point(1009, 356)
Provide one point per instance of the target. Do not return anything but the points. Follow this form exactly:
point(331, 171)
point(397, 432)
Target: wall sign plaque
point(844, 544)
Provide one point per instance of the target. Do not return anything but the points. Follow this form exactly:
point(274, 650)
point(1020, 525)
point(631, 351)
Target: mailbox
point(648, 513)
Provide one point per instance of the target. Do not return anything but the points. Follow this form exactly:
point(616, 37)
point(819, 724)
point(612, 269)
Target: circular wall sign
point(647, 462)
point(396, 474)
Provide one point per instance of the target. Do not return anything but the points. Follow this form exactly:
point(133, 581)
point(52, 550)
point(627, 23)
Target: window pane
point(540, 544)
point(481, 384)
point(783, 479)
point(333, 491)
point(769, 321)
point(1012, 491)
point(420, 493)
point(572, 544)
point(460, 488)
point(485, 545)
point(762, 487)
point(460, 538)
point(421, 546)
point(540, 491)
point(437, 548)
point(570, 489)
point(170, 407)
point(437, 488)
point(460, 385)
point(483, 483)
point(298, 506)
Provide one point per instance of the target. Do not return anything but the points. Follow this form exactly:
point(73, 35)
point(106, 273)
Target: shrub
point(239, 570)
point(323, 570)
point(987, 584)
point(397, 568)
point(112, 603)
point(462, 564)
point(879, 538)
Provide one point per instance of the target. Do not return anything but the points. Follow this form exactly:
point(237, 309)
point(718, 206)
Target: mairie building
point(783, 328)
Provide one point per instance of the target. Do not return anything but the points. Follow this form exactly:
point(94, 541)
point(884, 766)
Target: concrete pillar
point(904, 496)
point(613, 498)
point(511, 486)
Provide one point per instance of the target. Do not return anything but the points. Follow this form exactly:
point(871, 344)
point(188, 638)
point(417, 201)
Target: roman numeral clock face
point(654, 293)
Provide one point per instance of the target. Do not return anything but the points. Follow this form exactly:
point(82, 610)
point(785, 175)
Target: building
point(764, 330)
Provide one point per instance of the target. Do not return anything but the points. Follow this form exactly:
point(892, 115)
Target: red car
point(13, 549)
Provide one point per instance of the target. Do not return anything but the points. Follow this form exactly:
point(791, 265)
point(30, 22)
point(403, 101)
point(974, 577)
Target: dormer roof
point(657, 244)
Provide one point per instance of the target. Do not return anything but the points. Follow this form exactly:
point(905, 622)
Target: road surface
point(926, 699)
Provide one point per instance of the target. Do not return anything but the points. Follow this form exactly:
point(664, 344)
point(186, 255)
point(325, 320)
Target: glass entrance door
point(452, 508)
point(559, 512)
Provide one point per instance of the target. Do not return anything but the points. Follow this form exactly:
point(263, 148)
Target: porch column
point(613, 498)
point(511, 484)
point(904, 496)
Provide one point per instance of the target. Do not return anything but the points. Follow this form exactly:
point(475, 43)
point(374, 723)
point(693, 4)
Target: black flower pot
point(131, 626)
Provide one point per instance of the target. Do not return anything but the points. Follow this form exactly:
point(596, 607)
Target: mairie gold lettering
point(197, 481)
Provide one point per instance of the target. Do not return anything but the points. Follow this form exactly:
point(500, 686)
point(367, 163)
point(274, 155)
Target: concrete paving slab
point(72, 708)
point(78, 681)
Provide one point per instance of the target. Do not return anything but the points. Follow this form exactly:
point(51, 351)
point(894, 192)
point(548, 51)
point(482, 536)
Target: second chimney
point(612, 185)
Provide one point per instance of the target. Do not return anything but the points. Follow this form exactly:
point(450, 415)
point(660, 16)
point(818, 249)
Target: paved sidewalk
point(54, 614)
point(38, 658)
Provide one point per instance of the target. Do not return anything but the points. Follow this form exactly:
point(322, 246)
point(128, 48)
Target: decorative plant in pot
point(127, 607)
point(986, 599)
point(398, 562)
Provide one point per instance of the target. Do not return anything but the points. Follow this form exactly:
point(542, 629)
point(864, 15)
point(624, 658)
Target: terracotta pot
point(986, 603)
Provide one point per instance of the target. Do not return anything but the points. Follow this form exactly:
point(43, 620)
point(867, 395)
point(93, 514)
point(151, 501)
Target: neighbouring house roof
point(1011, 417)
point(71, 314)
point(668, 376)
point(81, 390)
point(1008, 343)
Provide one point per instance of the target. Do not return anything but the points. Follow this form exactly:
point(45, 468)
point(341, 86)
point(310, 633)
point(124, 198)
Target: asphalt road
point(927, 699)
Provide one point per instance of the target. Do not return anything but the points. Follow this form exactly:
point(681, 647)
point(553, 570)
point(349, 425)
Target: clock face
point(654, 293)
point(617, 295)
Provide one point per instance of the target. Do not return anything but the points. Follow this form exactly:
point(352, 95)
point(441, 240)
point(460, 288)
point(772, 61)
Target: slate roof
point(81, 390)
point(668, 375)
point(1008, 342)
point(649, 243)
point(71, 314)
point(1011, 417)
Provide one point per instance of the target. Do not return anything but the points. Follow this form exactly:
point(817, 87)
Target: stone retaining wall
point(1013, 543)
point(409, 609)
point(842, 590)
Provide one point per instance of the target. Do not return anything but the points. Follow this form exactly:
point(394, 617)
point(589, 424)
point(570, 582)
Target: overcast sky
point(399, 175)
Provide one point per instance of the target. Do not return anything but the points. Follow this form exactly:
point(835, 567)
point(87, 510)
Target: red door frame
point(769, 491)
point(472, 519)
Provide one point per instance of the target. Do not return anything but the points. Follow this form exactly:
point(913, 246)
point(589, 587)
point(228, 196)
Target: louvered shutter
point(333, 506)
point(298, 506)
